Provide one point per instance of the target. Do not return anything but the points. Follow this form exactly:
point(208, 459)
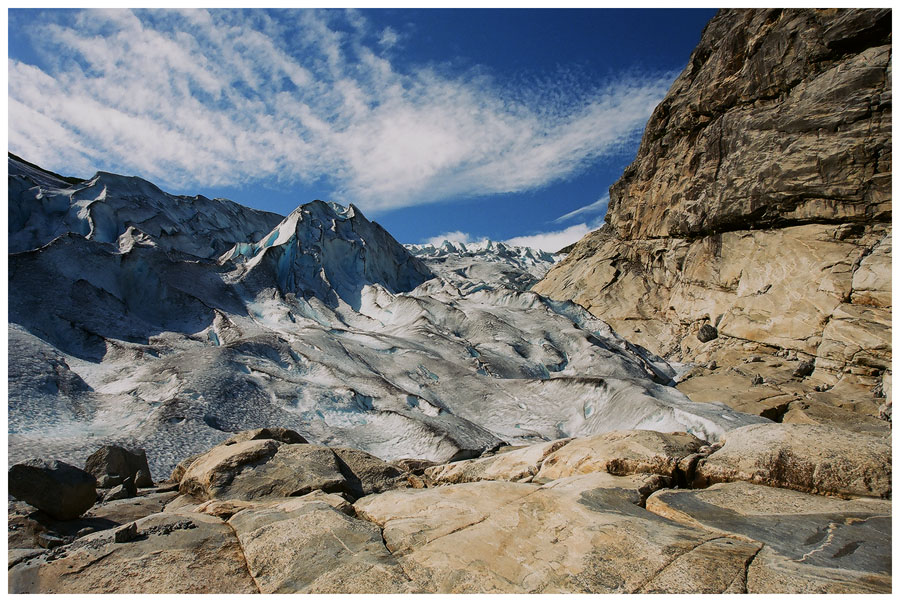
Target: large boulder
point(367, 474)
point(621, 453)
point(61, 490)
point(804, 457)
point(263, 468)
point(810, 543)
point(112, 464)
point(275, 433)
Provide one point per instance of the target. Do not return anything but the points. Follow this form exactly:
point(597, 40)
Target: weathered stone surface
point(759, 202)
point(61, 490)
point(112, 464)
point(581, 534)
point(263, 468)
point(181, 468)
point(621, 453)
point(225, 509)
point(329, 552)
point(810, 458)
point(811, 543)
point(178, 553)
point(517, 465)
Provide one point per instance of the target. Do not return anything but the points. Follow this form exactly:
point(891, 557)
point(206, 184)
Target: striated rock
point(518, 465)
point(59, 489)
point(177, 553)
point(621, 453)
point(810, 543)
point(581, 534)
point(759, 201)
point(112, 464)
point(329, 552)
point(810, 458)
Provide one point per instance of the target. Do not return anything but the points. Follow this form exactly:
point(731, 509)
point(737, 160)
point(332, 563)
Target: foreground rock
point(322, 550)
point(59, 489)
point(172, 553)
point(815, 459)
point(112, 464)
point(579, 534)
point(587, 515)
point(810, 543)
point(759, 207)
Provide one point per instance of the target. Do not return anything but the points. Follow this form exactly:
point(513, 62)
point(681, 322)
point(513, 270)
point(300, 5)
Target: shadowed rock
point(59, 489)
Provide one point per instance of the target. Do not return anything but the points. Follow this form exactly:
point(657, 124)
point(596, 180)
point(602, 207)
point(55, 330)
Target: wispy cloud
point(598, 206)
point(226, 98)
point(555, 240)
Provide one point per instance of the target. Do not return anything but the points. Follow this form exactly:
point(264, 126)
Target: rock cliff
point(759, 204)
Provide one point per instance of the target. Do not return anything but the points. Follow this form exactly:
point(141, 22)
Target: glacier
point(168, 323)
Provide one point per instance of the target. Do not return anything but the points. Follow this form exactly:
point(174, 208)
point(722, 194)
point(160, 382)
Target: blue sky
point(506, 124)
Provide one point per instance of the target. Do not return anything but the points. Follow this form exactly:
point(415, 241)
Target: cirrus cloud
point(227, 98)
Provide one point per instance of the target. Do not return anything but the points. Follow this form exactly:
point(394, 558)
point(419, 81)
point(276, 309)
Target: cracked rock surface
point(610, 515)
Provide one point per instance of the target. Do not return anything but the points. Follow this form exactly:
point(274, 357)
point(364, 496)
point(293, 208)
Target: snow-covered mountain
point(170, 322)
point(472, 265)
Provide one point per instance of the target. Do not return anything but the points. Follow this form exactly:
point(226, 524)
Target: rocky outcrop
point(831, 545)
point(604, 514)
point(759, 204)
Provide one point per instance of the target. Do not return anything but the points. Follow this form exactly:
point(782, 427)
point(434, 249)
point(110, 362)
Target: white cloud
point(553, 241)
point(455, 236)
point(218, 98)
point(598, 206)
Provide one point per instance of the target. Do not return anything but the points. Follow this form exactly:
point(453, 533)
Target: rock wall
point(759, 203)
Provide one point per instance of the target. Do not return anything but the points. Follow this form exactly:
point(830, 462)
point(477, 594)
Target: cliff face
point(759, 203)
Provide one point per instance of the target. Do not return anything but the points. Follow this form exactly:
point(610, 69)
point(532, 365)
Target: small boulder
point(121, 492)
point(112, 464)
point(142, 479)
point(125, 534)
point(61, 490)
point(804, 369)
point(707, 333)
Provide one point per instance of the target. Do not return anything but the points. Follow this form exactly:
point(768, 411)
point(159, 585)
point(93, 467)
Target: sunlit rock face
point(760, 203)
point(171, 338)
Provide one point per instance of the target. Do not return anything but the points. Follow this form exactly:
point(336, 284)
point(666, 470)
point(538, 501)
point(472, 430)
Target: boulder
point(261, 468)
point(275, 433)
point(809, 543)
point(517, 465)
point(621, 453)
point(804, 457)
point(120, 492)
point(330, 552)
point(582, 534)
point(174, 553)
point(61, 490)
point(707, 333)
point(112, 464)
point(367, 474)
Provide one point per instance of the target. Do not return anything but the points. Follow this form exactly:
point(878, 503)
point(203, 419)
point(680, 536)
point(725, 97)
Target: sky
point(508, 124)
